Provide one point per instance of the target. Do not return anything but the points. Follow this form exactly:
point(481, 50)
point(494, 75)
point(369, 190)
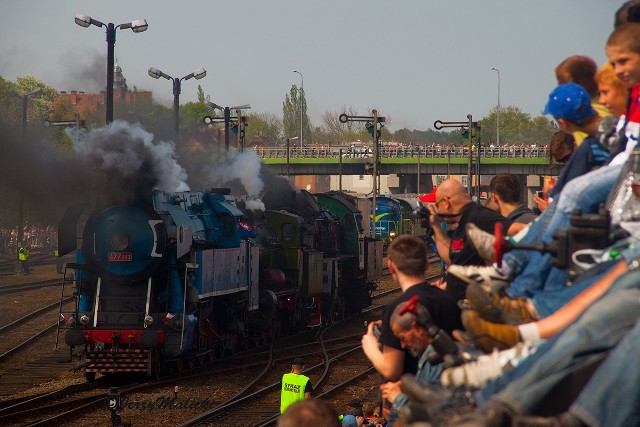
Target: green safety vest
point(23, 254)
point(293, 386)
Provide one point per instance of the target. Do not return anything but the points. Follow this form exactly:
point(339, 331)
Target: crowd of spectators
point(33, 236)
point(550, 306)
point(402, 150)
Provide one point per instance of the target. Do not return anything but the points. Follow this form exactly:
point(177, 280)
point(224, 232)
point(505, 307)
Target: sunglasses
point(565, 159)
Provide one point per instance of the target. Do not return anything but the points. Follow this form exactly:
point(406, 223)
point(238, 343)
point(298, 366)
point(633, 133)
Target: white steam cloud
point(243, 167)
point(130, 152)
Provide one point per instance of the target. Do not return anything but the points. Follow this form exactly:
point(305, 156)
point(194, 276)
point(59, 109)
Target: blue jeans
point(584, 193)
point(553, 298)
point(426, 373)
point(598, 329)
point(611, 396)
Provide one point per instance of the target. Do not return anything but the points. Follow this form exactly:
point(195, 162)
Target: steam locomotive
point(182, 278)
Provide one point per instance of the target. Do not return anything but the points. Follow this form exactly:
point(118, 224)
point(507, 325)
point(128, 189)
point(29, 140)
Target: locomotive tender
point(179, 280)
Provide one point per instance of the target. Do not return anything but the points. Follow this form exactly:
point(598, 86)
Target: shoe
point(486, 335)
point(485, 367)
point(486, 276)
point(483, 242)
point(498, 308)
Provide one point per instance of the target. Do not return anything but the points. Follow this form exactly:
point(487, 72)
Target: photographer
point(412, 324)
point(407, 261)
point(454, 205)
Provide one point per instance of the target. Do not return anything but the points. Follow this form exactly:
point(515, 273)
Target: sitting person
point(410, 323)
point(454, 205)
point(534, 270)
point(407, 261)
point(505, 197)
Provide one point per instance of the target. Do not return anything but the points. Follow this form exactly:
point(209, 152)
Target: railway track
point(252, 366)
point(22, 287)
point(18, 334)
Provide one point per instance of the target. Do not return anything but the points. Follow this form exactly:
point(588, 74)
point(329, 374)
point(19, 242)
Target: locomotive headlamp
point(148, 320)
point(120, 241)
point(84, 319)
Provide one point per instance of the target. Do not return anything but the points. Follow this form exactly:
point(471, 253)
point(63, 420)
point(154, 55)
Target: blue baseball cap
point(349, 421)
point(569, 101)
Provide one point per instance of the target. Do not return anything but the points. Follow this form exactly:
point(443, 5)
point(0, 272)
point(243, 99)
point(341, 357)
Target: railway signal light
point(464, 132)
point(369, 127)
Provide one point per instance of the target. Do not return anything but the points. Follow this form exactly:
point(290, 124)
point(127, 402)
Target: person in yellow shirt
point(295, 386)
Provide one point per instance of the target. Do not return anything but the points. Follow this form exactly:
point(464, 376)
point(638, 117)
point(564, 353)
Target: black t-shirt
point(461, 251)
point(444, 312)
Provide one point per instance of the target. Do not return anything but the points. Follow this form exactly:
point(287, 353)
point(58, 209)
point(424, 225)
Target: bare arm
point(515, 228)
point(549, 326)
point(388, 361)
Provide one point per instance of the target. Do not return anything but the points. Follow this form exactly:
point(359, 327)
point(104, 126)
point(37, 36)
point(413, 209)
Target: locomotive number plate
point(120, 256)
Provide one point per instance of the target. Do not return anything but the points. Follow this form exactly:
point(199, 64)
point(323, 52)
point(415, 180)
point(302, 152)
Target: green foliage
point(516, 127)
point(263, 129)
point(291, 108)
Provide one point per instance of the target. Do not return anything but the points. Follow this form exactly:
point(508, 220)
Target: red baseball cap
point(429, 198)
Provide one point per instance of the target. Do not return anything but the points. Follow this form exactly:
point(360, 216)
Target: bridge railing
point(404, 152)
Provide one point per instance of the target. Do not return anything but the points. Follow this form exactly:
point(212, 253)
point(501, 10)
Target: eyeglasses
point(565, 159)
point(438, 201)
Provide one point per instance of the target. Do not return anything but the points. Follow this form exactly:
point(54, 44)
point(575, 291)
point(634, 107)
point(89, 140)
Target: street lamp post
point(137, 26)
point(177, 84)
point(301, 106)
point(498, 110)
point(25, 104)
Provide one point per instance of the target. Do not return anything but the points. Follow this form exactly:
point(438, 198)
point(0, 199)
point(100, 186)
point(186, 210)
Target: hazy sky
point(417, 61)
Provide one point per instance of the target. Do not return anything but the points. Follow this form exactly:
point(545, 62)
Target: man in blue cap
point(570, 106)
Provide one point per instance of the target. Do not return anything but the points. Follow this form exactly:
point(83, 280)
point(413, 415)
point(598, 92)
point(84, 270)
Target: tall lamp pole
point(177, 84)
point(137, 26)
point(25, 104)
point(301, 106)
point(498, 111)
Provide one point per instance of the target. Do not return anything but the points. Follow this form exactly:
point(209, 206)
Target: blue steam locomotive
point(182, 279)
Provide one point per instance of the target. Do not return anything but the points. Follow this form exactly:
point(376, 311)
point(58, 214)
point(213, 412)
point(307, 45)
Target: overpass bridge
point(410, 164)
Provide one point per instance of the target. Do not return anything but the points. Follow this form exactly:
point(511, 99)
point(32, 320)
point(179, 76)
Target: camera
point(423, 214)
point(444, 347)
point(377, 330)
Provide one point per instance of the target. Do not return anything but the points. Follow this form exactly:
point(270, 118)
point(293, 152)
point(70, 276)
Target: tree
point(291, 114)
point(264, 129)
point(516, 127)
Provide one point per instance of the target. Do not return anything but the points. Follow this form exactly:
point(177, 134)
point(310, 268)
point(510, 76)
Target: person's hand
point(369, 340)
point(360, 421)
point(440, 283)
point(390, 390)
point(540, 202)
point(434, 218)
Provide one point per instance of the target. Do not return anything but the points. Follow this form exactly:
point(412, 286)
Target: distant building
point(95, 102)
